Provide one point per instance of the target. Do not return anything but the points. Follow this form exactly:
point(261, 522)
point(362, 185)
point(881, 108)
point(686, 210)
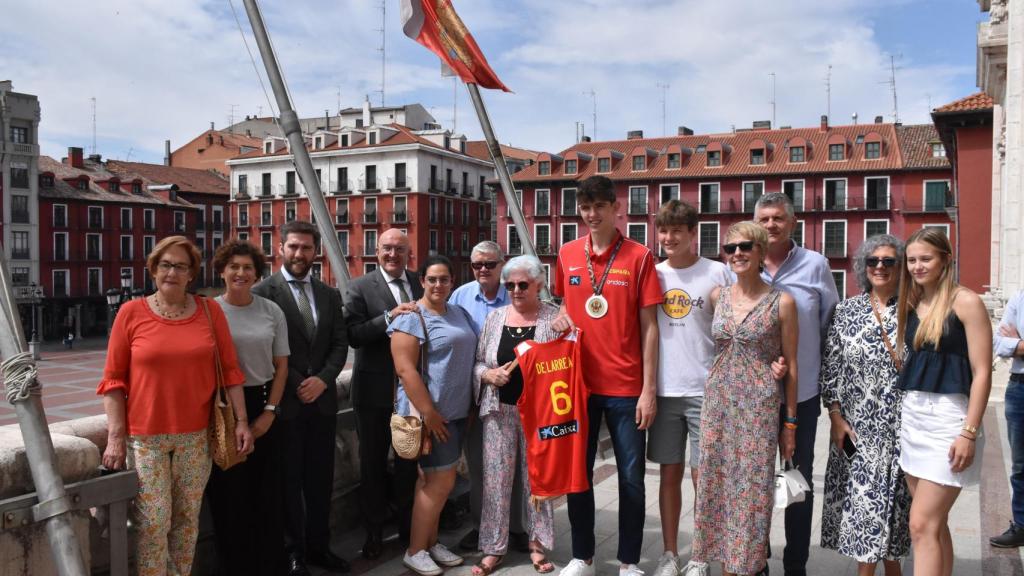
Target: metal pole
point(300, 156)
point(504, 177)
point(42, 460)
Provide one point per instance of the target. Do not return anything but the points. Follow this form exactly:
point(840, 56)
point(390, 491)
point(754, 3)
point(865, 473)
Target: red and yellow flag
point(434, 24)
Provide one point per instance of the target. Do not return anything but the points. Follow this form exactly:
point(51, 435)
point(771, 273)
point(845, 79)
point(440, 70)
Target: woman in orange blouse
point(157, 390)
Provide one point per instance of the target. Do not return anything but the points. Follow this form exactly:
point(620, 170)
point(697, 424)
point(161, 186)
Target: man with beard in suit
point(371, 303)
point(308, 410)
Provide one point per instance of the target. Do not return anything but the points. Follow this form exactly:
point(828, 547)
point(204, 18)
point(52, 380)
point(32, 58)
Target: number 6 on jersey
point(561, 403)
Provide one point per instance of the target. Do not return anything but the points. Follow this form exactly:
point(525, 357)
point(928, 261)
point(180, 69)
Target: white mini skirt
point(930, 424)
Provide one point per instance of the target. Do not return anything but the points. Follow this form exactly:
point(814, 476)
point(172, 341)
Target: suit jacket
point(321, 354)
point(373, 374)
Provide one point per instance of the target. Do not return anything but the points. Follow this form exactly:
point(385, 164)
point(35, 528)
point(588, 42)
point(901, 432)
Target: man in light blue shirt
point(806, 276)
point(1007, 343)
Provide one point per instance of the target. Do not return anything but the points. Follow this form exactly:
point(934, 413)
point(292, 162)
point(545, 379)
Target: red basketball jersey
point(553, 410)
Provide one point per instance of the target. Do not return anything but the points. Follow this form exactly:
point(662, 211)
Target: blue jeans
point(628, 442)
point(798, 516)
point(1015, 433)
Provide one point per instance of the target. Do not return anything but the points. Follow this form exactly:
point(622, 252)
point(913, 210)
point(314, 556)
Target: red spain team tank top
point(553, 411)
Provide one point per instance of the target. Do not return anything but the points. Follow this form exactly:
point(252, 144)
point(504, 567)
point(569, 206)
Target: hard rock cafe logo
point(678, 304)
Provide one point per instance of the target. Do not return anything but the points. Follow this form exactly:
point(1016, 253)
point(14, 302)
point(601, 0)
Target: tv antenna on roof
point(664, 99)
point(892, 87)
point(772, 101)
point(93, 100)
point(593, 96)
point(382, 49)
point(828, 92)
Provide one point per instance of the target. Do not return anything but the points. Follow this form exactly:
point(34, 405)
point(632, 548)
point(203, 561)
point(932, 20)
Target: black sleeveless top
point(942, 369)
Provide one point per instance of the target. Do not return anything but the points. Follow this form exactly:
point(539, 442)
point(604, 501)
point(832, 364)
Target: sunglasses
point(746, 246)
point(511, 286)
point(490, 265)
point(874, 261)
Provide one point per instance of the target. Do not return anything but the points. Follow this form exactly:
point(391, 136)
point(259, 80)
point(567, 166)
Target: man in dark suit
point(371, 303)
point(308, 410)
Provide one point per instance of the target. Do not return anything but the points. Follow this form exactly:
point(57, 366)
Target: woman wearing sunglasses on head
point(753, 325)
point(867, 504)
point(946, 376)
point(526, 318)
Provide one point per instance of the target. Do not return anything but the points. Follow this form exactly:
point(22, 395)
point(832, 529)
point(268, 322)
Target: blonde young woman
point(946, 376)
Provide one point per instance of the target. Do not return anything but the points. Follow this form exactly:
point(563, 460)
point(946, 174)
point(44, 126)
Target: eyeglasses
point(874, 261)
point(389, 249)
point(438, 280)
point(490, 265)
point(166, 267)
point(511, 286)
point(745, 246)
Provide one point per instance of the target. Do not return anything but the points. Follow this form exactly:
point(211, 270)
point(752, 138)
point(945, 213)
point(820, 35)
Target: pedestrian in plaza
point(480, 298)
point(157, 389)
point(319, 346)
point(499, 387)
point(444, 333)
point(610, 290)
point(866, 509)
point(686, 350)
point(805, 275)
point(946, 376)
point(754, 323)
point(372, 302)
point(1008, 344)
point(247, 500)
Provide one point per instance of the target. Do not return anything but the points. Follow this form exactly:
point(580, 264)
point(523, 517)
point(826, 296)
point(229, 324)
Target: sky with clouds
point(164, 70)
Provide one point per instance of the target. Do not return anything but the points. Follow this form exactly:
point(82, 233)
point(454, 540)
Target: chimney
point(824, 123)
point(585, 139)
point(167, 152)
point(878, 119)
point(684, 131)
point(762, 125)
point(96, 158)
point(366, 112)
point(75, 158)
point(635, 135)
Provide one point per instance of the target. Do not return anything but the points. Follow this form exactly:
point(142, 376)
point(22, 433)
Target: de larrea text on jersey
point(555, 365)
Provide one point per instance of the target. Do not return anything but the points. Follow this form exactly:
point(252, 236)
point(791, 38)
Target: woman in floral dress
point(753, 325)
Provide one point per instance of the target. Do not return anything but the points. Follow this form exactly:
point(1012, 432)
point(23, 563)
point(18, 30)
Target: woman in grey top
point(246, 500)
point(441, 398)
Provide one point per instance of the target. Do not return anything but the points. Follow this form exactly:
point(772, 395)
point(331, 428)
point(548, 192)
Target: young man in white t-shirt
point(686, 353)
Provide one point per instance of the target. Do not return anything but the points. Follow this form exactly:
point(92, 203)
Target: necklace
point(519, 332)
point(167, 313)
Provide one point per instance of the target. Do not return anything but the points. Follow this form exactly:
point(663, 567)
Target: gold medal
point(597, 306)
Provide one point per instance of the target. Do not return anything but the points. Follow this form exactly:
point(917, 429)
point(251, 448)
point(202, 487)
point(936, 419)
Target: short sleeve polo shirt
point(612, 357)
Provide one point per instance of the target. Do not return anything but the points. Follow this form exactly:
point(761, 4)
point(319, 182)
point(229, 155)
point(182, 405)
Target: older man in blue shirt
point(806, 276)
point(1007, 343)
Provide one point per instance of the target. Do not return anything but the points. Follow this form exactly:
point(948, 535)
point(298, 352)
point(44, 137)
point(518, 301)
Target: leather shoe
point(373, 546)
point(329, 561)
point(296, 567)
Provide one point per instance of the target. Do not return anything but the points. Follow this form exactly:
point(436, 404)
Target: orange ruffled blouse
point(166, 367)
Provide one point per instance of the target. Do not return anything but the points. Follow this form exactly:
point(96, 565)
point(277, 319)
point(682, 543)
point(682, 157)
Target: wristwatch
point(272, 408)
point(387, 317)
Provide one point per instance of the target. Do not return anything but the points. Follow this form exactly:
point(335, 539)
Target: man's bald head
point(393, 251)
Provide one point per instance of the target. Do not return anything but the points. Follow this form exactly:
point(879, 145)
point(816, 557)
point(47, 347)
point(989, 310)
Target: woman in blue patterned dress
point(754, 324)
point(866, 510)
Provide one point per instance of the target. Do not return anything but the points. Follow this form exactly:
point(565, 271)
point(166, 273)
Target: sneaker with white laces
point(668, 565)
point(630, 570)
point(577, 567)
point(444, 556)
point(421, 563)
point(693, 568)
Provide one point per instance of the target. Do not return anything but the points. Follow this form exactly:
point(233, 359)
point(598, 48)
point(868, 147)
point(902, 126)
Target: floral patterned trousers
point(503, 444)
point(172, 469)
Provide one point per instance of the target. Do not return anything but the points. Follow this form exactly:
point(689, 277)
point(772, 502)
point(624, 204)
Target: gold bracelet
point(971, 429)
point(832, 411)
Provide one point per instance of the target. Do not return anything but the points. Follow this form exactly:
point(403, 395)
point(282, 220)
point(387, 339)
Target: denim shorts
point(445, 456)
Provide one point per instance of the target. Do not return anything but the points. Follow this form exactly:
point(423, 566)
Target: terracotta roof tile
point(478, 149)
point(62, 190)
point(916, 146)
point(974, 102)
point(187, 179)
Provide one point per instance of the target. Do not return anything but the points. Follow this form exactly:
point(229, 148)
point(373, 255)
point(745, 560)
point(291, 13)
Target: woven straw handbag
point(222, 417)
point(407, 431)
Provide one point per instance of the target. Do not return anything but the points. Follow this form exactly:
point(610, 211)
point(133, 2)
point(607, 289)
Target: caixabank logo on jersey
point(552, 431)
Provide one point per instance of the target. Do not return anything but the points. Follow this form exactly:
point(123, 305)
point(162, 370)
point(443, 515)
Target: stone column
point(1013, 190)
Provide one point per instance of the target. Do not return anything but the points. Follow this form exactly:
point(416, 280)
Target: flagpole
point(504, 177)
point(23, 391)
point(289, 121)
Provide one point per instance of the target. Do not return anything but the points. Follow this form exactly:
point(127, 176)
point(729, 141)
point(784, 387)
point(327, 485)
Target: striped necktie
point(304, 308)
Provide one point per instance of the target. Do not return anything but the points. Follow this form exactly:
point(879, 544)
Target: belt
point(1019, 378)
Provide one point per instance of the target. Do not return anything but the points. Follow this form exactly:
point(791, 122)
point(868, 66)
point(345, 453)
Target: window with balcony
point(19, 135)
point(449, 184)
point(449, 212)
point(638, 200)
point(839, 277)
point(714, 158)
point(95, 286)
point(798, 233)
point(434, 184)
point(568, 202)
point(341, 211)
point(875, 228)
point(639, 163)
point(568, 233)
point(835, 194)
point(266, 214)
point(60, 283)
point(876, 193)
point(20, 276)
point(544, 168)
point(674, 160)
point(794, 190)
point(872, 150)
point(243, 185)
point(60, 246)
point(752, 191)
point(19, 209)
point(343, 240)
point(370, 211)
point(707, 239)
point(179, 222)
point(149, 219)
point(342, 185)
point(519, 202)
point(834, 233)
point(836, 152)
point(126, 218)
point(95, 217)
point(432, 215)
point(604, 165)
point(432, 241)
point(60, 216)
point(147, 244)
point(218, 218)
point(464, 243)
point(542, 236)
point(289, 182)
point(669, 192)
point(542, 202)
point(266, 184)
point(401, 214)
point(757, 156)
point(936, 195)
point(637, 233)
point(709, 198)
point(201, 217)
point(515, 246)
point(400, 175)
point(371, 178)
point(126, 248)
point(796, 154)
point(465, 213)
point(92, 247)
point(570, 167)
point(369, 242)
point(19, 176)
point(289, 211)
point(266, 239)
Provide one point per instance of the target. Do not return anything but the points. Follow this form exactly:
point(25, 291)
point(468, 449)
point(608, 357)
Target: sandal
point(481, 569)
point(542, 566)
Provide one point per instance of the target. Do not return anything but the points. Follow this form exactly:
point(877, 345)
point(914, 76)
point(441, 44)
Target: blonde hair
point(934, 322)
point(750, 230)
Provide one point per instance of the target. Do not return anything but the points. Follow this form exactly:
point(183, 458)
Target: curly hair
point(235, 247)
point(860, 266)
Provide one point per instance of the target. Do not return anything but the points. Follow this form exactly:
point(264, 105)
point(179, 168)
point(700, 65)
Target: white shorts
point(930, 424)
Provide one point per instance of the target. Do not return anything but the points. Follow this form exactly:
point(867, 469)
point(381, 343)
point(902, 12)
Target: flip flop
point(481, 569)
point(544, 566)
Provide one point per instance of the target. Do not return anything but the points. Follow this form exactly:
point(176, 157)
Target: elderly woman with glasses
point(499, 386)
point(157, 389)
point(867, 505)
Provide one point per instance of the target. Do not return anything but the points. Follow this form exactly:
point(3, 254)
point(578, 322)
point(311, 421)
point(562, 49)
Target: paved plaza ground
point(70, 377)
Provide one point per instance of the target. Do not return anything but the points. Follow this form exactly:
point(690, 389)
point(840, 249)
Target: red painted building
point(847, 183)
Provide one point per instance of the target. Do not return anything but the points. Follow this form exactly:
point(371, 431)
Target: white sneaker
point(693, 568)
point(421, 563)
point(668, 565)
point(444, 556)
point(577, 567)
point(630, 570)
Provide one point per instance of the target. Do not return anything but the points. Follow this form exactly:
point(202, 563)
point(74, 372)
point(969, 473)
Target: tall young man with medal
point(610, 289)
